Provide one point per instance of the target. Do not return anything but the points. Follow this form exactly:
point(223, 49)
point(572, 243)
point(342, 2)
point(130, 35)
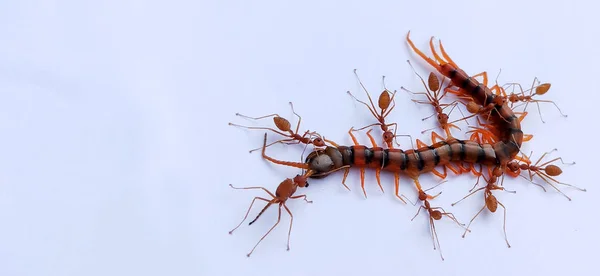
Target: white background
point(116, 155)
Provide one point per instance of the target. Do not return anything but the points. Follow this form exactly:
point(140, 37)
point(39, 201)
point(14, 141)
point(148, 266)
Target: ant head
point(513, 166)
point(318, 142)
point(435, 214)
point(498, 100)
point(422, 195)
point(300, 180)
point(442, 118)
point(388, 136)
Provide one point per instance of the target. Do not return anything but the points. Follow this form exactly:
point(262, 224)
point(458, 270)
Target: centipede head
point(320, 162)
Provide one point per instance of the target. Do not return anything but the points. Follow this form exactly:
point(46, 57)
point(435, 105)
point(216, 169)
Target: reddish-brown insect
point(546, 171)
point(284, 126)
point(434, 95)
point(435, 213)
point(540, 89)
point(384, 102)
point(285, 191)
point(491, 202)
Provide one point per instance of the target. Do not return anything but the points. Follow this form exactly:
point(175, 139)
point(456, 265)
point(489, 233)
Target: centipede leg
point(397, 185)
point(420, 144)
point(346, 172)
point(484, 75)
point(377, 171)
point(439, 174)
point(362, 181)
point(352, 136)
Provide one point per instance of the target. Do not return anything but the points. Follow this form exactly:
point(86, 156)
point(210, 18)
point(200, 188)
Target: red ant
point(284, 126)
point(539, 90)
point(434, 97)
point(435, 213)
point(545, 171)
point(285, 191)
point(384, 105)
point(491, 202)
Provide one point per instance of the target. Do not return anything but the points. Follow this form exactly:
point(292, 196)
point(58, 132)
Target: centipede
point(492, 150)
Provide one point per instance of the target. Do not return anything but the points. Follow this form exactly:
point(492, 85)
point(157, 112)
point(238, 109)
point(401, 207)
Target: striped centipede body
point(495, 144)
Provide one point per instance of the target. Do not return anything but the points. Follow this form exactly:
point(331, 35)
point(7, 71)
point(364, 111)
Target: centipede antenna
point(279, 162)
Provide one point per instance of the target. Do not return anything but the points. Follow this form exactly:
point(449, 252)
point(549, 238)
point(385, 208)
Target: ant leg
point(291, 222)
point(285, 141)
point(278, 219)
point(253, 188)
point(505, 236)
point(470, 194)
point(303, 197)
point(248, 212)
point(418, 211)
point(435, 237)
point(465, 233)
point(264, 128)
